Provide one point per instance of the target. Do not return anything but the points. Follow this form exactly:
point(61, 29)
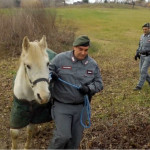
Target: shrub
point(31, 4)
point(35, 22)
point(6, 3)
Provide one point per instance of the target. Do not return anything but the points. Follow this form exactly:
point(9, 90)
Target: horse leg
point(30, 131)
point(14, 136)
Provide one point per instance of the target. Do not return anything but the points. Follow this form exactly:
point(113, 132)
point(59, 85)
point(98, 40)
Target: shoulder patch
point(86, 62)
point(89, 72)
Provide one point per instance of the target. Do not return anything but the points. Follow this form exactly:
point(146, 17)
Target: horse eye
point(29, 67)
point(48, 64)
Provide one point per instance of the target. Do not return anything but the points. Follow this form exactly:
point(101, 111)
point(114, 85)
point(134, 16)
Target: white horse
point(31, 86)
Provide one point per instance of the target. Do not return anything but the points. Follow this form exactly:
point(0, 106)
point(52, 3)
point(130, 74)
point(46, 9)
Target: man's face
point(80, 52)
point(146, 30)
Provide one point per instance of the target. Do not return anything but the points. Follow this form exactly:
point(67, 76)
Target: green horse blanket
point(24, 112)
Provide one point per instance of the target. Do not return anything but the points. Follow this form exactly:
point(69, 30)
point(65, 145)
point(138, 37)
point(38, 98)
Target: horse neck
point(22, 89)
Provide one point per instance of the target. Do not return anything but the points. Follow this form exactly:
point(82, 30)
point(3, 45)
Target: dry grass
point(34, 22)
point(31, 4)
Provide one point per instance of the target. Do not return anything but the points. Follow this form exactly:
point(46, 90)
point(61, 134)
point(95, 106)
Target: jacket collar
point(73, 58)
point(148, 34)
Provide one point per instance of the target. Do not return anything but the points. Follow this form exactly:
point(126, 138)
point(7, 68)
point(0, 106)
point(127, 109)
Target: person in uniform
point(143, 53)
point(77, 68)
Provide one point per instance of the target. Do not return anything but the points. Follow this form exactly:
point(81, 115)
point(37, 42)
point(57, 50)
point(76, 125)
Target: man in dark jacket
point(77, 68)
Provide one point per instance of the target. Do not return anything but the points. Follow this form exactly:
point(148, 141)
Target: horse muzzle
point(42, 99)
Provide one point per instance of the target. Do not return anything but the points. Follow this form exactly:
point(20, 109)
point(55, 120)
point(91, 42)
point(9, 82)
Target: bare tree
point(67, 1)
point(85, 1)
point(7, 3)
point(97, 1)
point(57, 2)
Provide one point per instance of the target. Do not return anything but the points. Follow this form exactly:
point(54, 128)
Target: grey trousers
point(68, 132)
point(144, 65)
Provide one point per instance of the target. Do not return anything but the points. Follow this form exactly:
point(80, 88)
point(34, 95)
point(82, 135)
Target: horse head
point(33, 72)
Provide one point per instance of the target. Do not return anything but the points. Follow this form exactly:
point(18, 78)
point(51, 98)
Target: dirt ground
point(124, 132)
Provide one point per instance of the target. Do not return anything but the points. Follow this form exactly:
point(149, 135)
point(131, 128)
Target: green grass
point(119, 26)
point(115, 34)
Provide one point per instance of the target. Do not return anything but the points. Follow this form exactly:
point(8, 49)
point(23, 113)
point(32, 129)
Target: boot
point(137, 88)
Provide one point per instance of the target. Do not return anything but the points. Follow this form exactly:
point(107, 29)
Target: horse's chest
point(23, 114)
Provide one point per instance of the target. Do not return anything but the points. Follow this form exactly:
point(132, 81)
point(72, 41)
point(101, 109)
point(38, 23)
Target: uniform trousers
point(69, 131)
point(144, 65)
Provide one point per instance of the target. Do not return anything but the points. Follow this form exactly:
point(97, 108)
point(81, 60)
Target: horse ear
point(43, 42)
point(25, 44)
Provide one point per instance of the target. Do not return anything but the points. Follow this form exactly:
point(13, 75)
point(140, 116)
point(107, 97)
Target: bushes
point(31, 3)
point(7, 3)
point(34, 22)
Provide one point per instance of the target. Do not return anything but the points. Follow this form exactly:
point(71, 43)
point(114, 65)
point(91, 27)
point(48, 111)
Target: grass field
point(115, 34)
point(120, 116)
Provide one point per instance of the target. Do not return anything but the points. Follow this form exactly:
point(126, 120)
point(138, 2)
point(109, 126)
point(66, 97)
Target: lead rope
point(86, 104)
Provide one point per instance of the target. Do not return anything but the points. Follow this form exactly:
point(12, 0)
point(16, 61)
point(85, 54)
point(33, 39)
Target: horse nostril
point(38, 95)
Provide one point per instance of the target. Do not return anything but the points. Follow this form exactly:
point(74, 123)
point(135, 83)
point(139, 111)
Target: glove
point(137, 56)
point(84, 89)
point(146, 53)
point(54, 76)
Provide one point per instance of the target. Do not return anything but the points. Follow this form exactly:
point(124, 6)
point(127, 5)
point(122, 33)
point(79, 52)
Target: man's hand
point(54, 76)
point(84, 89)
point(137, 56)
point(146, 53)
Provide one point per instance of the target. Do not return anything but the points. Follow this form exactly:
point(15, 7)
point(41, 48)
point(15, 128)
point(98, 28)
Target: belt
point(55, 100)
point(145, 53)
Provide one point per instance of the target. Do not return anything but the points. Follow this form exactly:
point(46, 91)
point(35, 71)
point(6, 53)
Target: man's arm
point(137, 53)
point(97, 84)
